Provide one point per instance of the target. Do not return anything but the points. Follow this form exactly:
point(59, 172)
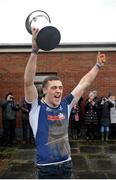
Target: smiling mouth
point(57, 97)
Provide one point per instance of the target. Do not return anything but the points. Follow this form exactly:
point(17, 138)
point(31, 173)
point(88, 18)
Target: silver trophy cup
point(48, 36)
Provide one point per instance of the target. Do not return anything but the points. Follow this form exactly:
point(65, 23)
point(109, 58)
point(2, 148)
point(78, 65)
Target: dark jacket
point(105, 113)
point(74, 111)
point(24, 110)
point(91, 113)
point(9, 109)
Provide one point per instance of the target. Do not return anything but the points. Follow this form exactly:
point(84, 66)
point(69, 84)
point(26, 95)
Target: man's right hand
point(34, 36)
point(101, 58)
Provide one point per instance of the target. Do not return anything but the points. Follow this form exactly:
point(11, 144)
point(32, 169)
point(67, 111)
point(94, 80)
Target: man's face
point(113, 98)
point(53, 92)
point(91, 96)
point(10, 97)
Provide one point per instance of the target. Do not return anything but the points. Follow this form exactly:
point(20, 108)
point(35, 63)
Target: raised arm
point(30, 70)
point(89, 77)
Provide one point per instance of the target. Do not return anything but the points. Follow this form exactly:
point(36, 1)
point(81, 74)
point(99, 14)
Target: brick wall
point(70, 66)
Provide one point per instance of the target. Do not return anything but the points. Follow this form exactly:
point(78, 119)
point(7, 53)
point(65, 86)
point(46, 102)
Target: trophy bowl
point(48, 36)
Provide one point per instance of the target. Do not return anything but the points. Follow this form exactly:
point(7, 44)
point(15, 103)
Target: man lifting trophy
point(48, 36)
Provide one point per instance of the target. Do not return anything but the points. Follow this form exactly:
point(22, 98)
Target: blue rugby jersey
point(50, 129)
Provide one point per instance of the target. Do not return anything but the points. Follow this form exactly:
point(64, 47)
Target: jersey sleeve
point(34, 108)
point(69, 101)
point(34, 104)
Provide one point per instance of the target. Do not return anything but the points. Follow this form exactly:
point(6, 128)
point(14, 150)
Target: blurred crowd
point(94, 118)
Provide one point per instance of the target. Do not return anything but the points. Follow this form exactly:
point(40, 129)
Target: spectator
point(81, 117)
point(9, 109)
point(113, 117)
point(105, 106)
point(74, 118)
point(26, 128)
point(91, 118)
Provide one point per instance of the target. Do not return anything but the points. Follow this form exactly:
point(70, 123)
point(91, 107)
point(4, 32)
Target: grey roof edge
point(101, 46)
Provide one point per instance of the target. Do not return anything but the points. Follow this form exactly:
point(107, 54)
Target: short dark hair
point(10, 93)
point(49, 78)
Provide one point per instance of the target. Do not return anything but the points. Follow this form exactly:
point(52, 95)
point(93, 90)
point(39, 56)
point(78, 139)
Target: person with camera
point(9, 110)
point(105, 106)
point(49, 118)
